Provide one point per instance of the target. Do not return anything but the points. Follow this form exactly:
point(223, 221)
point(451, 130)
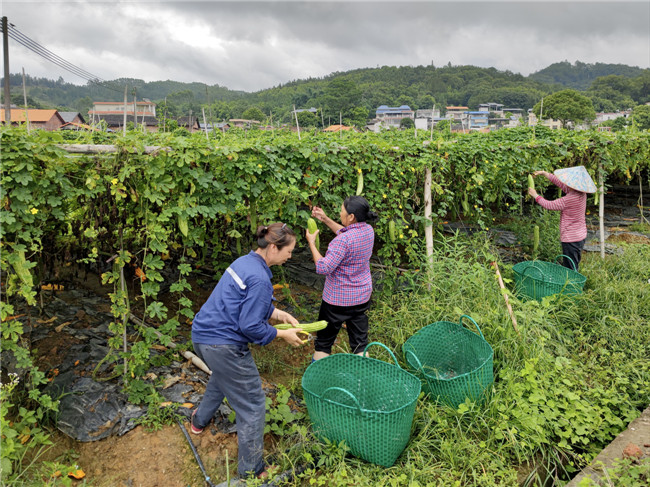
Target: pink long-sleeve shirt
point(572, 206)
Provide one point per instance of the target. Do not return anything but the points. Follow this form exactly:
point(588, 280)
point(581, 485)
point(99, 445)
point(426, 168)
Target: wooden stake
point(187, 354)
point(297, 124)
point(428, 228)
point(505, 296)
point(124, 111)
point(601, 210)
point(25, 100)
point(205, 123)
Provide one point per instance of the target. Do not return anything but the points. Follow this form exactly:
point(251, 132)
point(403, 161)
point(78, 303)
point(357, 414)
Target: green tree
point(566, 106)
point(442, 125)
point(641, 117)
point(407, 123)
point(358, 117)
point(253, 113)
point(306, 120)
point(341, 96)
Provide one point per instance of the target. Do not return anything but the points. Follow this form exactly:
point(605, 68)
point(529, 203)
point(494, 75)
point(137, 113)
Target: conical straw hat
point(577, 178)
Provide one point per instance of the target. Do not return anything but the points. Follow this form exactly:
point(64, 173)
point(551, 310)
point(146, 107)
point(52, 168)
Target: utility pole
point(5, 47)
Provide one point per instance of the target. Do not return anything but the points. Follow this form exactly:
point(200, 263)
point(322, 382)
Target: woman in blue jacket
point(237, 313)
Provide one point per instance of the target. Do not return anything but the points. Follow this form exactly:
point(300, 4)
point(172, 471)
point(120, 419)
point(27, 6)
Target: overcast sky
point(249, 46)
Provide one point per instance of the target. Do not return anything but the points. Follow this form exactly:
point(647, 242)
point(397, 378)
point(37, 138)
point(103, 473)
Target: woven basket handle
point(575, 268)
point(417, 361)
point(460, 322)
point(381, 345)
point(356, 402)
point(523, 274)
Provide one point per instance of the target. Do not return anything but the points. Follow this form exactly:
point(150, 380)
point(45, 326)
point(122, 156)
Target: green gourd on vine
point(359, 182)
point(311, 228)
point(182, 225)
point(465, 203)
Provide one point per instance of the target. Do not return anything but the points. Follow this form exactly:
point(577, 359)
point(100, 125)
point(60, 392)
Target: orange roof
point(457, 108)
point(336, 128)
point(18, 115)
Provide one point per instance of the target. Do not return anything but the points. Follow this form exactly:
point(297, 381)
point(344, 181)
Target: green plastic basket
point(365, 402)
point(537, 279)
point(453, 362)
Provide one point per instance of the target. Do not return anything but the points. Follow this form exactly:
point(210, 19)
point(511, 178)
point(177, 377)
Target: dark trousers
point(356, 322)
point(574, 251)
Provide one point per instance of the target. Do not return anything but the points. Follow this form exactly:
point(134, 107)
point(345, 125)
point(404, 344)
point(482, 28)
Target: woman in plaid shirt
point(348, 283)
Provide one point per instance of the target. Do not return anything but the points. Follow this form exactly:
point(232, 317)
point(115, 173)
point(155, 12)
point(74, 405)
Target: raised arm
point(318, 213)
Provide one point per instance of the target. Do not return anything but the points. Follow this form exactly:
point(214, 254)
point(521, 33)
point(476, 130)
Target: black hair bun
point(261, 231)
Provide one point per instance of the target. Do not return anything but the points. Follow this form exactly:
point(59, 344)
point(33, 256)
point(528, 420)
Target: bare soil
point(146, 458)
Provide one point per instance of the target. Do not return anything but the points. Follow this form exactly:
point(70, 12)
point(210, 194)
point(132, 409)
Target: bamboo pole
point(297, 125)
point(428, 229)
point(504, 292)
point(187, 354)
point(601, 209)
point(25, 100)
point(642, 218)
point(205, 124)
point(126, 100)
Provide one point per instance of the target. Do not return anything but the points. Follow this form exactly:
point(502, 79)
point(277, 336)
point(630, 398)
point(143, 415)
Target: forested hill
point(359, 92)
point(579, 76)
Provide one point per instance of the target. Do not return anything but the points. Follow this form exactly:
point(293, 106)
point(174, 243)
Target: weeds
point(563, 389)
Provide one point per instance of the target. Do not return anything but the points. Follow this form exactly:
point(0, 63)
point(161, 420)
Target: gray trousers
point(235, 376)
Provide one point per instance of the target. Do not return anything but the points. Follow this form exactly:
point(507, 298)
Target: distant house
point(144, 107)
point(112, 112)
point(72, 117)
point(242, 123)
point(392, 116)
point(550, 123)
point(219, 127)
point(491, 107)
point(49, 120)
point(426, 117)
point(455, 113)
point(516, 113)
point(605, 116)
point(116, 122)
point(475, 120)
point(189, 123)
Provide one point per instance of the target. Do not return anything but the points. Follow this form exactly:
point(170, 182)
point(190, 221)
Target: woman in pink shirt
point(573, 205)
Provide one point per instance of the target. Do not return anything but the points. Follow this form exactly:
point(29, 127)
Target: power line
point(45, 53)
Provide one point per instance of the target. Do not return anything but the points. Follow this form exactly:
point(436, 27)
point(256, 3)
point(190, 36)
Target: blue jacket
point(239, 308)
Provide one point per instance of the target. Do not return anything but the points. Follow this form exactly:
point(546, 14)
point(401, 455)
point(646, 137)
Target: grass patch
point(564, 388)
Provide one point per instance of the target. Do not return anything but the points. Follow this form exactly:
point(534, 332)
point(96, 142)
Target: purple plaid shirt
point(346, 266)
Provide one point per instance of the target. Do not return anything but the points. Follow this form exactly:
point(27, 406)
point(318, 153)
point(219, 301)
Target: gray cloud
point(254, 45)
